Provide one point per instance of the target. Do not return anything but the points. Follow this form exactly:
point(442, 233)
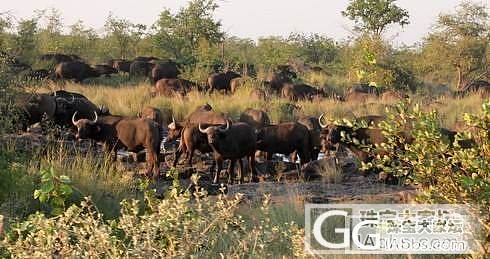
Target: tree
point(124, 35)
point(315, 48)
point(178, 34)
point(459, 45)
point(5, 23)
point(50, 38)
point(26, 39)
point(374, 16)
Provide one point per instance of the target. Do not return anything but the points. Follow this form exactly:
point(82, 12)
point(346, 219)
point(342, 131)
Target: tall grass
point(128, 99)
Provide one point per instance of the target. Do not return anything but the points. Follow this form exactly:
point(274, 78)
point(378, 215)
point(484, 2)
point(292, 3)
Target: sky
point(245, 18)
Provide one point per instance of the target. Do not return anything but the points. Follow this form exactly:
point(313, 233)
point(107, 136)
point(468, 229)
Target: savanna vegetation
point(60, 201)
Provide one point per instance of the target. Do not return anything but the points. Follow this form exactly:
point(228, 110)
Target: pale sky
point(244, 18)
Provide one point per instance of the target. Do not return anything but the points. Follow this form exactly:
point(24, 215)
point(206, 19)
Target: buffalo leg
point(218, 171)
point(231, 169)
point(240, 175)
point(251, 164)
point(178, 153)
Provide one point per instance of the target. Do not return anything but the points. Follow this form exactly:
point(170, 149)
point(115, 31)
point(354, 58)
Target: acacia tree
point(460, 45)
point(374, 16)
point(179, 35)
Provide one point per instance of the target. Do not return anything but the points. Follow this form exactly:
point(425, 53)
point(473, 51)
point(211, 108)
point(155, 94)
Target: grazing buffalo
point(233, 142)
point(173, 87)
point(164, 70)
point(255, 118)
point(115, 132)
point(314, 129)
point(258, 95)
point(122, 65)
point(296, 92)
point(285, 138)
point(282, 74)
point(221, 81)
point(76, 70)
point(140, 69)
point(105, 70)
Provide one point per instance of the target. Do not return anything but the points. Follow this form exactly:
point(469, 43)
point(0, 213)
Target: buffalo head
point(215, 132)
point(174, 130)
point(85, 128)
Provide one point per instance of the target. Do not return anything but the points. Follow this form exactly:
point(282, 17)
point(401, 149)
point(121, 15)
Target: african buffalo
point(173, 87)
point(285, 138)
point(140, 69)
point(255, 118)
point(221, 81)
point(164, 70)
point(122, 65)
point(146, 59)
point(235, 83)
point(296, 92)
point(314, 129)
point(281, 75)
point(105, 70)
point(233, 142)
point(115, 132)
point(153, 114)
point(191, 139)
point(76, 70)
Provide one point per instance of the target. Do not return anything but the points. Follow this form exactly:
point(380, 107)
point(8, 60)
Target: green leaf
point(65, 179)
point(65, 190)
point(58, 202)
point(43, 197)
point(47, 187)
point(57, 211)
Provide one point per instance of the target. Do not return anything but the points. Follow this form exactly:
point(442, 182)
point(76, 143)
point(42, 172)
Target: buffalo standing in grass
point(76, 70)
point(297, 92)
point(116, 132)
point(221, 81)
point(233, 142)
point(314, 129)
point(122, 65)
point(285, 138)
point(105, 70)
point(173, 87)
point(140, 69)
point(164, 70)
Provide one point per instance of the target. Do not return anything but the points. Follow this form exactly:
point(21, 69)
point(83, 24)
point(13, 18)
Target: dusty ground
point(329, 180)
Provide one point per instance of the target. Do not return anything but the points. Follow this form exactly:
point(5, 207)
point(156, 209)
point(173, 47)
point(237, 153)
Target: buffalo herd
point(204, 129)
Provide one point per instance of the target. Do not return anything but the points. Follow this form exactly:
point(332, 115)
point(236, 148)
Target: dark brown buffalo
point(85, 109)
point(116, 132)
point(281, 75)
point(164, 70)
point(67, 95)
point(255, 118)
point(296, 92)
point(191, 139)
point(173, 87)
point(105, 70)
point(76, 70)
point(140, 69)
point(37, 106)
point(258, 95)
point(285, 138)
point(122, 65)
point(221, 81)
point(233, 142)
point(314, 129)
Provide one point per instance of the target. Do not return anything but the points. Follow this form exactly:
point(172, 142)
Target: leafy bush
point(182, 225)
